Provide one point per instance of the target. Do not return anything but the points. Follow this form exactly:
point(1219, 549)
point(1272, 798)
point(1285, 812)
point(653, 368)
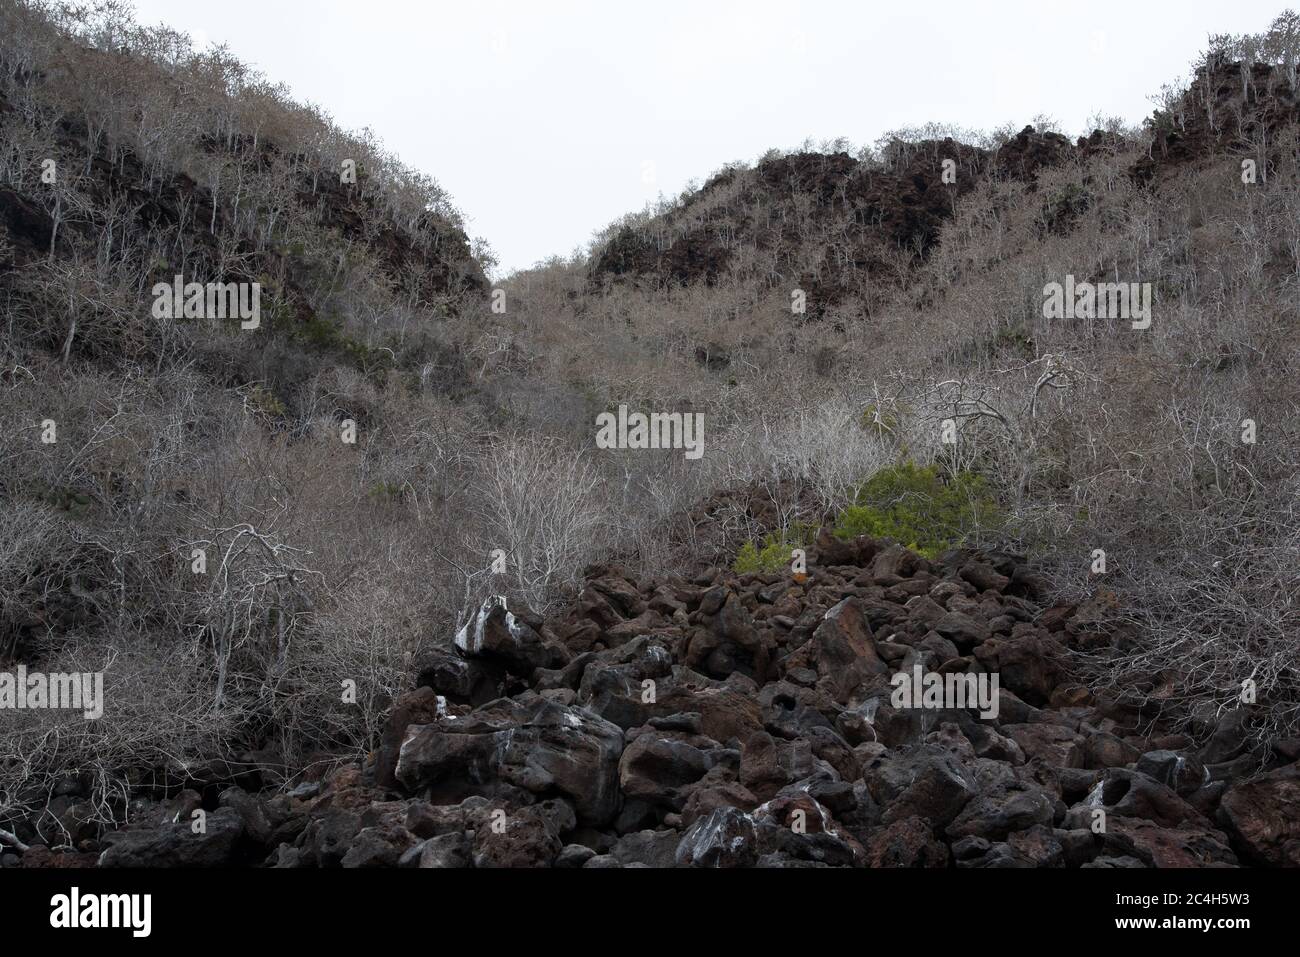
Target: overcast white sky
point(546, 120)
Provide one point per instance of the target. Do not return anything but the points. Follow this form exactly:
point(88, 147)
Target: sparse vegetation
point(776, 552)
point(329, 560)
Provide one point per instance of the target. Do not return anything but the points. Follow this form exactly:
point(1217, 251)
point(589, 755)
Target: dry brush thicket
point(329, 562)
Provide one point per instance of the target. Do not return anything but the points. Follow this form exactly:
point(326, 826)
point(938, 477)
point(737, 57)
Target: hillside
point(360, 575)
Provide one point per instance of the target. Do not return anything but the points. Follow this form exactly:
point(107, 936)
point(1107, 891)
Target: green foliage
point(915, 506)
point(76, 504)
point(882, 422)
point(386, 493)
point(911, 504)
point(278, 314)
point(1013, 340)
point(266, 402)
point(1064, 207)
point(329, 336)
point(774, 556)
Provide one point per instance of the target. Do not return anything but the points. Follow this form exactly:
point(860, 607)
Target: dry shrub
point(158, 727)
point(542, 505)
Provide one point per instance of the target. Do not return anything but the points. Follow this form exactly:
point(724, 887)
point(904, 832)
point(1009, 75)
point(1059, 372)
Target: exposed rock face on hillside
point(125, 170)
point(870, 220)
point(429, 259)
point(1229, 106)
point(769, 209)
point(739, 721)
point(873, 222)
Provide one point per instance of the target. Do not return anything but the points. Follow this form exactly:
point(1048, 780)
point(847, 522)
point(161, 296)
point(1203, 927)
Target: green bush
point(774, 556)
point(880, 421)
point(915, 506)
point(1062, 209)
point(386, 493)
point(266, 402)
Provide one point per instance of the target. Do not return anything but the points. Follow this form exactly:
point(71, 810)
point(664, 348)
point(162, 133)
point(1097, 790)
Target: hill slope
point(290, 545)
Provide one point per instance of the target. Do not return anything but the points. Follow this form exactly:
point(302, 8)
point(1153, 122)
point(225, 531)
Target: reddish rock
point(907, 842)
point(1263, 816)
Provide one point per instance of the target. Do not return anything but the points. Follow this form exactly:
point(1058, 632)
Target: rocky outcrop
point(530, 744)
point(755, 721)
point(1263, 817)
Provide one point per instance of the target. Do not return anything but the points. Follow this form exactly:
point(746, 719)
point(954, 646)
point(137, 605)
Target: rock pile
point(749, 720)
